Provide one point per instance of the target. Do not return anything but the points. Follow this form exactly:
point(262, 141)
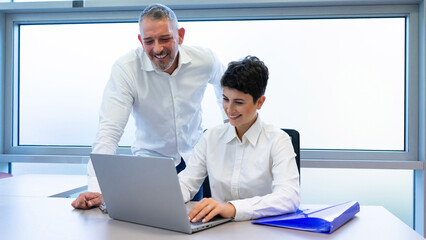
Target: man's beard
point(161, 65)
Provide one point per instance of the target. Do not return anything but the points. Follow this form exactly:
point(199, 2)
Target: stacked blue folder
point(323, 220)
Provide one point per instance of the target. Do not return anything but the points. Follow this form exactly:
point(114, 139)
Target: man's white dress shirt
point(166, 108)
point(258, 175)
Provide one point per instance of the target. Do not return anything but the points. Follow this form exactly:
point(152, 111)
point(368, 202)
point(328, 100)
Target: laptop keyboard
point(197, 223)
point(200, 222)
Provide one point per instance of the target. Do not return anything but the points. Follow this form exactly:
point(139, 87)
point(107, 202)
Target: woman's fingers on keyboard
point(207, 208)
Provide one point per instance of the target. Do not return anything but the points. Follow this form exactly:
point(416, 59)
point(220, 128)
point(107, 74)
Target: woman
point(251, 165)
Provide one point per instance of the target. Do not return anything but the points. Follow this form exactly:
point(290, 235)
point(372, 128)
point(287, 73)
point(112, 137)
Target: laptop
point(145, 190)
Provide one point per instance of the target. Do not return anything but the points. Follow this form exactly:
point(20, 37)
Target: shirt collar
point(183, 57)
point(252, 134)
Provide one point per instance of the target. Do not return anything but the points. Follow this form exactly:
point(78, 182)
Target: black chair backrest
point(295, 140)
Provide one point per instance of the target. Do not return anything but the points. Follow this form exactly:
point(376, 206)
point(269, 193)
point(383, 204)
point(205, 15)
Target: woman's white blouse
point(258, 175)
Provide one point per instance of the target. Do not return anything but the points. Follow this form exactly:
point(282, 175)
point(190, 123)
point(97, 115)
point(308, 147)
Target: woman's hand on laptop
point(207, 208)
point(88, 200)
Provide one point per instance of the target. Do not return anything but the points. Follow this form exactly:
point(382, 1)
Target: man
point(162, 84)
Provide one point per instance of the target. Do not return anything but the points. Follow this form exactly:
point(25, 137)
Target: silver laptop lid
point(142, 190)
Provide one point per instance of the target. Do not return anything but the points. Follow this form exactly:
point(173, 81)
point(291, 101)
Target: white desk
point(54, 218)
point(42, 185)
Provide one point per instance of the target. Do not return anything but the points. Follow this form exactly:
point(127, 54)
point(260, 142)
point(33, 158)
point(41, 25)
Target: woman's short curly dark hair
point(249, 75)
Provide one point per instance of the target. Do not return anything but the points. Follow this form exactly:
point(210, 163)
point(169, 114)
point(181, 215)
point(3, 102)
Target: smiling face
point(240, 109)
point(161, 39)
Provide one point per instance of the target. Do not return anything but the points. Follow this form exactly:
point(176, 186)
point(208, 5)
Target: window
point(340, 78)
point(340, 82)
point(63, 69)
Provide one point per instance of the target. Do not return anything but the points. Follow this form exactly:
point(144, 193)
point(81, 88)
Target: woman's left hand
point(207, 208)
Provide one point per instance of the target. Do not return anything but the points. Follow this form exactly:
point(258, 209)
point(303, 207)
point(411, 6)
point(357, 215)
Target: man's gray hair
point(158, 12)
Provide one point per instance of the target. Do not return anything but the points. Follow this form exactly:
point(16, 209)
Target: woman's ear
point(260, 102)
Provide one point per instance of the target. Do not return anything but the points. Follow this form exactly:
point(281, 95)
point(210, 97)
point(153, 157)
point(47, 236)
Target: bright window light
point(339, 82)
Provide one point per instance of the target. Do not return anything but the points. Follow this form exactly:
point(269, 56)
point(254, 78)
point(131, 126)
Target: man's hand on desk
point(88, 200)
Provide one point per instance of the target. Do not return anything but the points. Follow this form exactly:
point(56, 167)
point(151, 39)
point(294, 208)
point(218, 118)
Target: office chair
point(295, 140)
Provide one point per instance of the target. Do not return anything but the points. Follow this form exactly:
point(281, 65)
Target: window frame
point(408, 159)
